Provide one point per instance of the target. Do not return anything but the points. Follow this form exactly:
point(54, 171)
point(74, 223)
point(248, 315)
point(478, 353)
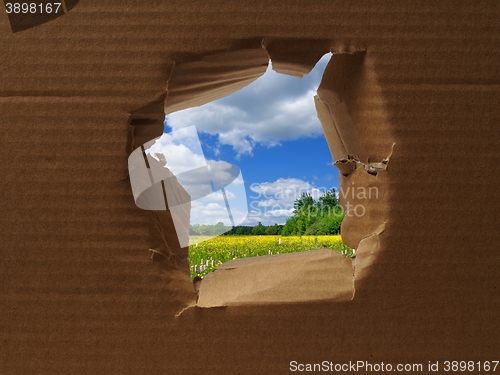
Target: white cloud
point(284, 190)
point(208, 212)
point(269, 217)
point(219, 197)
point(181, 148)
point(272, 109)
point(224, 174)
point(212, 209)
point(272, 202)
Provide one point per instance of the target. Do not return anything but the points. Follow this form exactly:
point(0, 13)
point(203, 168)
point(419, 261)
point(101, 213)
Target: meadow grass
point(205, 256)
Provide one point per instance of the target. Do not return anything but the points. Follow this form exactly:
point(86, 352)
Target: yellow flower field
point(205, 256)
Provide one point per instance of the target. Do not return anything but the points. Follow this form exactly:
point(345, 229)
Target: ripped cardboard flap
point(315, 275)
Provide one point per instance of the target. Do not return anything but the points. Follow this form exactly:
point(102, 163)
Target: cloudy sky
point(269, 130)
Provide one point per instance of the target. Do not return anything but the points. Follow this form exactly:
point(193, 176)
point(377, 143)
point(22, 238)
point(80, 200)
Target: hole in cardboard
point(300, 276)
point(278, 140)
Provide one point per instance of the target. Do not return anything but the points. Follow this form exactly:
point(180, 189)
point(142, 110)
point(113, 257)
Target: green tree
point(330, 223)
point(217, 229)
point(290, 227)
point(313, 229)
point(259, 229)
point(303, 203)
point(273, 229)
point(194, 230)
point(329, 199)
point(323, 216)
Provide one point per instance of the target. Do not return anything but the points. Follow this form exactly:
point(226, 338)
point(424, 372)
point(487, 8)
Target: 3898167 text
point(33, 8)
point(471, 366)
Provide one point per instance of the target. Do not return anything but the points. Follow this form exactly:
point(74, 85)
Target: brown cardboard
point(80, 289)
point(317, 275)
point(213, 76)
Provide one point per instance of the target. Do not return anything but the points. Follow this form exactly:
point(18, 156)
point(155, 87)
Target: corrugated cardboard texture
point(317, 275)
point(82, 293)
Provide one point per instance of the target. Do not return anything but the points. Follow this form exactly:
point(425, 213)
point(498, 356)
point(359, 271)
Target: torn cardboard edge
point(316, 275)
point(349, 106)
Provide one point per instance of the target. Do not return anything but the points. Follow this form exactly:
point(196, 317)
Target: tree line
point(315, 217)
point(310, 217)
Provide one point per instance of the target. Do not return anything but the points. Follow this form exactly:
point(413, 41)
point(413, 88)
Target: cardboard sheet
point(317, 275)
point(408, 102)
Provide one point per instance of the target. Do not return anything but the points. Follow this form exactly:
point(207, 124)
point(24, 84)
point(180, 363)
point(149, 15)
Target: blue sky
point(270, 130)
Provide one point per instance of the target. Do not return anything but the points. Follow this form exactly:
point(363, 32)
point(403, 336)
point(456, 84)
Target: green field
point(205, 256)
